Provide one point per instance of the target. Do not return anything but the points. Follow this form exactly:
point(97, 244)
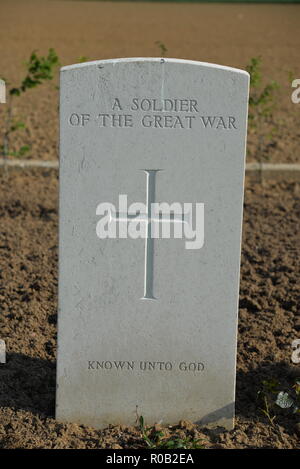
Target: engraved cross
point(149, 218)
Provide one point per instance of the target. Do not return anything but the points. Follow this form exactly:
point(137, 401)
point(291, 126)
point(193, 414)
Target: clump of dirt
point(269, 320)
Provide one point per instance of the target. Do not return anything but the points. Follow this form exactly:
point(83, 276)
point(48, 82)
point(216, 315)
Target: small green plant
point(291, 76)
point(156, 439)
point(272, 396)
point(266, 395)
point(261, 99)
point(261, 105)
point(82, 58)
point(162, 47)
point(39, 70)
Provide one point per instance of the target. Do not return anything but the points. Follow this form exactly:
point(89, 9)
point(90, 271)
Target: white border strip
point(273, 166)
point(253, 170)
point(29, 163)
point(279, 171)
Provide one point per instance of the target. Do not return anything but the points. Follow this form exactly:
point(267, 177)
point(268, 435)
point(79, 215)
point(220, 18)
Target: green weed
point(273, 396)
point(157, 439)
point(261, 105)
point(38, 70)
point(162, 48)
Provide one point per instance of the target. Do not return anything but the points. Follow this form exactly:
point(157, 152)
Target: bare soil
point(269, 320)
point(228, 34)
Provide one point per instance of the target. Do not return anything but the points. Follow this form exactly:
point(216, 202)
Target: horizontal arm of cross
point(123, 216)
point(160, 217)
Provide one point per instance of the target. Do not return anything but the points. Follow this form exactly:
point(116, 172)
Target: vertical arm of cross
point(149, 244)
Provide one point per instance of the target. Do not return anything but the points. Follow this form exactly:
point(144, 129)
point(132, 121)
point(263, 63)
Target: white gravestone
point(151, 192)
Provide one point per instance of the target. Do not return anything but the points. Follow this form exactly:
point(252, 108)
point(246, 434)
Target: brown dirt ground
point(228, 34)
point(268, 320)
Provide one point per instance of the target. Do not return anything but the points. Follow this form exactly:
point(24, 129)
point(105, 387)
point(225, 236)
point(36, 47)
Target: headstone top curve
point(161, 60)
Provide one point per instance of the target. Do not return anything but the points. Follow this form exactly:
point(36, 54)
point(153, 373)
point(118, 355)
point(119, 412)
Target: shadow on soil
point(28, 383)
point(248, 385)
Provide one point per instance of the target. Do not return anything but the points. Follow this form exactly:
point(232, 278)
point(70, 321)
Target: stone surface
point(148, 327)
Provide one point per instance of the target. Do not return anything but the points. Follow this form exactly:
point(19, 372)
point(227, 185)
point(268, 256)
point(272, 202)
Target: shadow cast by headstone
point(224, 414)
point(249, 402)
point(28, 383)
point(249, 385)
